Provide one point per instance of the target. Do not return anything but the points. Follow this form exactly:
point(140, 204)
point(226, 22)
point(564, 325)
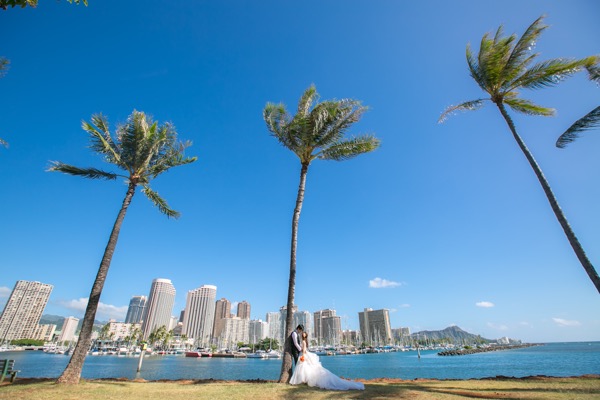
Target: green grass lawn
point(587, 387)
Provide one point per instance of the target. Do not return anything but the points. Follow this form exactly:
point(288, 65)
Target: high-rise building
point(67, 333)
point(45, 332)
point(22, 313)
point(121, 330)
point(375, 326)
point(235, 330)
point(299, 318)
point(305, 319)
point(257, 331)
point(327, 327)
point(135, 312)
point(274, 322)
point(159, 306)
point(222, 311)
point(401, 335)
point(199, 317)
point(243, 310)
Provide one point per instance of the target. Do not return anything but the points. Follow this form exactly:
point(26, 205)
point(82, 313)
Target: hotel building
point(22, 313)
point(159, 306)
point(135, 312)
point(199, 318)
point(375, 326)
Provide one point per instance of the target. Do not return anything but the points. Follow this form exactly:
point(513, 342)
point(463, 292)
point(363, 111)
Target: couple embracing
point(309, 369)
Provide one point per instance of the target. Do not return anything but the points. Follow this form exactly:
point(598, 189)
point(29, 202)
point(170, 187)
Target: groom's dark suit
point(295, 351)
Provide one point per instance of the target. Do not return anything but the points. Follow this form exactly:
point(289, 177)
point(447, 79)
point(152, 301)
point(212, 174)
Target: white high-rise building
point(257, 331)
point(45, 332)
point(274, 322)
point(159, 306)
point(327, 327)
point(235, 330)
point(199, 316)
point(67, 333)
point(22, 313)
point(121, 330)
point(135, 312)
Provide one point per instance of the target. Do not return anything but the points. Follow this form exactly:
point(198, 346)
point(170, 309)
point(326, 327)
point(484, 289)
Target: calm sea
point(553, 359)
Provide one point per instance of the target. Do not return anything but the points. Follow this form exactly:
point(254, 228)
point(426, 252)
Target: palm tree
point(3, 68)
point(315, 132)
point(143, 150)
point(589, 121)
point(4, 4)
point(502, 67)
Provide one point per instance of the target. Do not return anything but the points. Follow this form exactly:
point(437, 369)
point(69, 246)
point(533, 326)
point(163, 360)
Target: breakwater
point(474, 350)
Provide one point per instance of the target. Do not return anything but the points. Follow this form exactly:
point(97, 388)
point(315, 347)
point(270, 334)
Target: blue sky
point(444, 224)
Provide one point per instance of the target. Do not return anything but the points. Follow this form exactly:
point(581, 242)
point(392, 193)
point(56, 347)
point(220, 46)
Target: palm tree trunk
point(286, 364)
point(577, 248)
point(72, 372)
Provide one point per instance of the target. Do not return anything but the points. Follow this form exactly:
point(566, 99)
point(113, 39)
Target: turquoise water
point(553, 359)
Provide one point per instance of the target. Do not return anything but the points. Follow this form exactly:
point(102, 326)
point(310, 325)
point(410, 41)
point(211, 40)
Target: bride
point(310, 371)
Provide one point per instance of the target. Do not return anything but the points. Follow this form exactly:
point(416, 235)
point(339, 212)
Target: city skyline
point(442, 225)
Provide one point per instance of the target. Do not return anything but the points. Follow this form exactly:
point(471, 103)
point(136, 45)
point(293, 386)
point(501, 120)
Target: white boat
point(258, 354)
point(123, 351)
point(273, 354)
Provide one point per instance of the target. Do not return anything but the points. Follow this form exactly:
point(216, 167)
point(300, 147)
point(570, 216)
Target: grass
point(584, 387)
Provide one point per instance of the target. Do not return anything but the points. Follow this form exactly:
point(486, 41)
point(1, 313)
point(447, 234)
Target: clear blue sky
point(450, 215)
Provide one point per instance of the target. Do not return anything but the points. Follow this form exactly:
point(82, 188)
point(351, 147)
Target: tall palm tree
point(315, 132)
point(502, 67)
point(588, 121)
point(143, 150)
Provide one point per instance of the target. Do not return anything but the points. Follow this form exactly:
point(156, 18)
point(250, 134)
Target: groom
point(296, 339)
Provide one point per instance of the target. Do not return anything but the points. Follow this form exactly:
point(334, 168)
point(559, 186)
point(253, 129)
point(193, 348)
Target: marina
point(551, 359)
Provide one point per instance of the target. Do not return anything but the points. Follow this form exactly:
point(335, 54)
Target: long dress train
point(311, 372)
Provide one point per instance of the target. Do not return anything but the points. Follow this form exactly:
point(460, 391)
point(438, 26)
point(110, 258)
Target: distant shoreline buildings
point(205, 322)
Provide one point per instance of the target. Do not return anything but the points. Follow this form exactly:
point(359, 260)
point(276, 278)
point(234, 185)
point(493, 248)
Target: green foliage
point(267, 344)
point(4, 4)
point(27, 342)
point(589, 121)
point(503, 65)
point(140, 147)
point(318, 129)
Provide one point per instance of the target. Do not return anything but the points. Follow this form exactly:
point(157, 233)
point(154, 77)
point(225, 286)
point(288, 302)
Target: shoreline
point(464, 352)
point(25, 381)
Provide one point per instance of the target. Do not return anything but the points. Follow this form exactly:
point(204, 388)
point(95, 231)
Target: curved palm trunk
point(72, 372)
point(577, 248)
point(286, 364)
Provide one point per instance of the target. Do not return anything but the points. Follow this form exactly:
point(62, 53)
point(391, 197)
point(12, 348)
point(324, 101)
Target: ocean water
point(552, 359)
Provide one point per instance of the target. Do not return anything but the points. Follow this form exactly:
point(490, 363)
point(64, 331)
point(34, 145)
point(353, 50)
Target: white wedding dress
point(311, 372)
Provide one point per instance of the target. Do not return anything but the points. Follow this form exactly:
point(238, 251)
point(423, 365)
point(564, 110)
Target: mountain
point(452, 333)
point(59, 321)
point(52, 319)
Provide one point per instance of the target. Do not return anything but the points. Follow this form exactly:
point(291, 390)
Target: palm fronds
point(159, 202)
point(589, 121)
point(503, 66)
point(527, 107)
point(3, 66)
point(315, 127)
point(350, 148)
point(466, 106)
point(141, 147)
point(90, 173)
